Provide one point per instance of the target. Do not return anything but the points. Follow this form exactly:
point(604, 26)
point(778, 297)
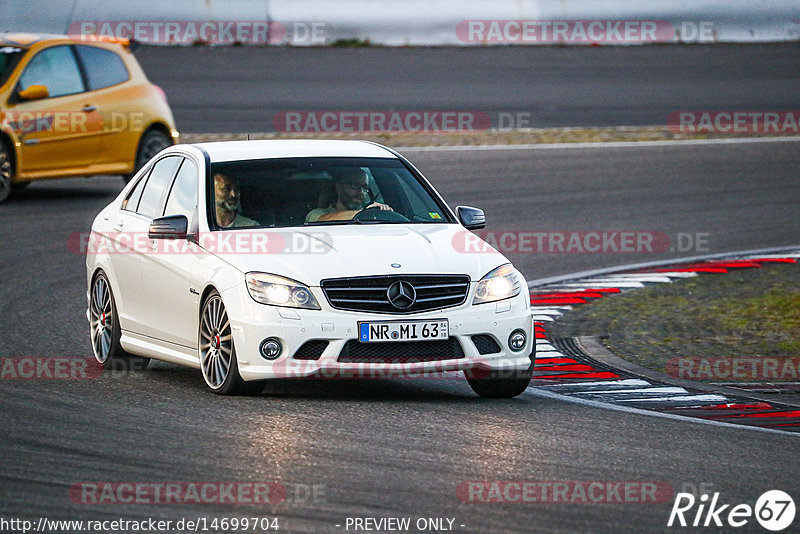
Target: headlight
point(501, 283)
point(279, 291)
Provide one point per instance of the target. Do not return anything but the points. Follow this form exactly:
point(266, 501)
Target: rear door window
point(103, 68)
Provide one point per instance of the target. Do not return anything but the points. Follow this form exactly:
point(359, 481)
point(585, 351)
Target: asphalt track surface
point(397, 448)
point(227, 89)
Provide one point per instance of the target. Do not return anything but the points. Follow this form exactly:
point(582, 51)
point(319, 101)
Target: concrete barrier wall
point(422, 22)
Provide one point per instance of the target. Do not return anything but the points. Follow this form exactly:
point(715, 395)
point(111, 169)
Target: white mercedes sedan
point(257, 260)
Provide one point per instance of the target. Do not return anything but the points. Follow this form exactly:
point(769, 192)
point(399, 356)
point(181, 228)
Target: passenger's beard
point(228, 205)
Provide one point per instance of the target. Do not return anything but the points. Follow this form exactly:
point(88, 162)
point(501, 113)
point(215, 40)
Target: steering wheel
point(377, 214)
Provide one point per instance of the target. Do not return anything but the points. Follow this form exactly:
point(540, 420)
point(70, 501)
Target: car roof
point(292, 148)
point(30, 39)
point(27, 39)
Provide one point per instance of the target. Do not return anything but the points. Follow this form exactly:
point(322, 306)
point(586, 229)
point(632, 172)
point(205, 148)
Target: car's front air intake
point(401, 352)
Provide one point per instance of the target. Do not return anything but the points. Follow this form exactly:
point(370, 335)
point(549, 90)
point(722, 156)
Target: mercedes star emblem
point(402, 295)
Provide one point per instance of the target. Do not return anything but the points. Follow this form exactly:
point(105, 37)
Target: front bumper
point(294, 327)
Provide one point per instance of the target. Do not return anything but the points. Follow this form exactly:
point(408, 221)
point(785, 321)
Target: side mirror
point(471, 218)
point(169, 227)
point(34, 92)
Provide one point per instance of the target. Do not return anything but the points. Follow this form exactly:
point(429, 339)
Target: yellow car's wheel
point(150, 144)
point(6, 171)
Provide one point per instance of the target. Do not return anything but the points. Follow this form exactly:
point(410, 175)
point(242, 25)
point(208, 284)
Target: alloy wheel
point(102, 319)
point(216, 345)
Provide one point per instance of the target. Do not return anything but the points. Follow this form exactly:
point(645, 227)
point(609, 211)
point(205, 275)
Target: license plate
point(369, 332)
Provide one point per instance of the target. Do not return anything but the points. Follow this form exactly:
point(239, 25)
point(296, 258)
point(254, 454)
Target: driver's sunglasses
point(356, 187)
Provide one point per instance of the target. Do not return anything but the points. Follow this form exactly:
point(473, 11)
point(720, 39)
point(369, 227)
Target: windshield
point(9, 57)
point(318, 191)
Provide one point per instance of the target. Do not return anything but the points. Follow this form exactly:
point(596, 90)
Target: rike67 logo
point(774, 510)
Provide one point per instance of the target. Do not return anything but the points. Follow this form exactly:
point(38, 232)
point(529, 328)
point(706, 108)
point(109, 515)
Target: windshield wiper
point(352, 221)
point(328, 223)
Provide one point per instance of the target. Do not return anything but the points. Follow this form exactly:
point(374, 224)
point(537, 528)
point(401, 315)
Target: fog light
point(270, 348)
point(516, 341)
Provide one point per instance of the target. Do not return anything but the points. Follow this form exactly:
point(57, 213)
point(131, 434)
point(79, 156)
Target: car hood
point(311, 254)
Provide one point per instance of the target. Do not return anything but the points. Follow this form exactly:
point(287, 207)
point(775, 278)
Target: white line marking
point(676, 274)
point(636, 275)
point(607, 144)
point(555, 281)
point(653, 278)
point(538, 392)
point(620, 284)
point(773, 385)
point(642, 279)
point(601, 285)
point(685, 398)
point(565, 287)
point(633, 382)
point(772, 256)
point(554, 313)
point(654, 390)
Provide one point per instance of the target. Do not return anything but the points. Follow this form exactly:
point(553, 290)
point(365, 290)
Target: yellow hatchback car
point(70, 107)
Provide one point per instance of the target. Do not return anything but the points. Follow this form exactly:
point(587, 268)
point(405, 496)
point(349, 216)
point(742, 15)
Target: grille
point(401, 352)
point(311, 350)
point(369, 293)
point(485, 344)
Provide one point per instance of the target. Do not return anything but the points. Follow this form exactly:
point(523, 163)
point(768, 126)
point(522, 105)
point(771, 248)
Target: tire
point(6, 171)
point(499, 384)
point(151, 143)
point(217, 353)
point(105, 330)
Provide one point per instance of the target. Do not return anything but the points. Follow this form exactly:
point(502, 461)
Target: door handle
point(119, 226)
point(87, 108)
